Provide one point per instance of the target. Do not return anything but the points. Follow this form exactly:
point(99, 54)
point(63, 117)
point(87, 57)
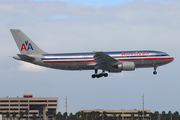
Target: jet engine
point(126, 66)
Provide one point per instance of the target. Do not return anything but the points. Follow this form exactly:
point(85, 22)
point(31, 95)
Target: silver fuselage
point(85, 61)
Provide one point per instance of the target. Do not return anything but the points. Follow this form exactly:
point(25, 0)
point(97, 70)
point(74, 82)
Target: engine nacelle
point(126, 66)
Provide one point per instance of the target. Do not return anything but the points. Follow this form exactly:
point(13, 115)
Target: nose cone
point(171, 59)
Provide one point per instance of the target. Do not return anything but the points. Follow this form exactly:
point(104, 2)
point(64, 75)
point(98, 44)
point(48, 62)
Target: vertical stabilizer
point(25, 45)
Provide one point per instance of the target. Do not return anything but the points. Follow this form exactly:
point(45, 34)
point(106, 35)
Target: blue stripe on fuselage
point(76, 56)
point(91, 53)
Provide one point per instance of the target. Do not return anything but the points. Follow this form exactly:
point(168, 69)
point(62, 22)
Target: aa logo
point(26, 46)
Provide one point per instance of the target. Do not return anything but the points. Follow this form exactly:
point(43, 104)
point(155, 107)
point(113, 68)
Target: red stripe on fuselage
point(166, 58)
point(68, 61)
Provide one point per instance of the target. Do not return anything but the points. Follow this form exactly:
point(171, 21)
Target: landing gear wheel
point(93, 76)
point(154, 72)
point(105, 74)
point(99, 75)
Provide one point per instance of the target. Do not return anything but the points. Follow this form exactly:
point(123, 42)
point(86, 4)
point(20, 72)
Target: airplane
point(112, 62)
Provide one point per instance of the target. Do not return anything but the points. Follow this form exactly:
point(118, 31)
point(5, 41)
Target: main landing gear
point(99, 75)
point(155, 72)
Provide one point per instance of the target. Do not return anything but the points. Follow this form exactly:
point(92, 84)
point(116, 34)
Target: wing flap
point(105, 62)
point(101, 57)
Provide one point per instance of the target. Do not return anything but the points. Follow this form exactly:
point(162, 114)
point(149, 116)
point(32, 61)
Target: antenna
point(66, 106)
point(143, 105)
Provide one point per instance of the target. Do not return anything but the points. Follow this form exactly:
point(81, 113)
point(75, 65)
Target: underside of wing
point(110, 64)
point(105, 62)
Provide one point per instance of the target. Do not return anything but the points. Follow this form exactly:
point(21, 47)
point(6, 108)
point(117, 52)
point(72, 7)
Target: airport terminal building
point(125, 114)
point(35, 106)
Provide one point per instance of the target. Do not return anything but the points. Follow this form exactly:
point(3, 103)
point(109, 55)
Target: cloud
point(24, 66)
point(65, 26)
point(124, 27)
point(108, 2)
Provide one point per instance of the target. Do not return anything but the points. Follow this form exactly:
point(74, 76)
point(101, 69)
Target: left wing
point(105, 62)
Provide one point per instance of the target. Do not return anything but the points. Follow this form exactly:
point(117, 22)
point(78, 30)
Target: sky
point(65, 26)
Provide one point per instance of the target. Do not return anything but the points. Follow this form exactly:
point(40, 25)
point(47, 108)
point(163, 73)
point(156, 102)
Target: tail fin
point(25, 45)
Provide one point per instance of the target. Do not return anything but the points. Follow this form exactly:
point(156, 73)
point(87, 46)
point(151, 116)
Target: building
point(35, 106)
point(125, 114)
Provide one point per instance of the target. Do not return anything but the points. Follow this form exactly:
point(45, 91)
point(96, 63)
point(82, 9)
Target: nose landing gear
point(155, 72)
point(103, 74)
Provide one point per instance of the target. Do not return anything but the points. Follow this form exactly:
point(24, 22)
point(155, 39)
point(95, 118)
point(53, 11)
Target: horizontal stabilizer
point(24, 57)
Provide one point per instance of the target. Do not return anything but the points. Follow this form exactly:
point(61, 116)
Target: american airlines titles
point(135, 53)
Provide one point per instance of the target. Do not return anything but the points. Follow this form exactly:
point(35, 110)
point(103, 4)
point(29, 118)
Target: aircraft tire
point(154, 72)
point(105, 74)
point(93, 76)
point(98, 76)
point(101, 75)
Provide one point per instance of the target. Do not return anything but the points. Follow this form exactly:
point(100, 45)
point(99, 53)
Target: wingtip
point(97, 51)
point(13, 29)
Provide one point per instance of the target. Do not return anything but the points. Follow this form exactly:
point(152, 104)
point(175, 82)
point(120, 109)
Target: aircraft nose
point(172, 59)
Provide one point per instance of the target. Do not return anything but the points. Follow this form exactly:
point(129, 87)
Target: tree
point(77, 114)
point(59, 116)
point(150, 115)
point(163, 115)
point(93, 114)
point(155, 116)
point(132, 116)
point(54, 116)
point(114, 116)
point(14, 115)
point(104, 115)
point(139, 113)
point(145, 113)
point(72, 117)
point(65, 115)
point(34, 116)
point(7, 115)
point(40, 114)
point(97, 114)
point(170, 115)
point(47, 114)
point(81, 115)
point(21, 113)
point(26, 112)
point(2, 113)
point(119, 116)
point(176, 115)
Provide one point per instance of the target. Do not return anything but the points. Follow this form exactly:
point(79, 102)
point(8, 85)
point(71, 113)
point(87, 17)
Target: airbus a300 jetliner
point(112, 62)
